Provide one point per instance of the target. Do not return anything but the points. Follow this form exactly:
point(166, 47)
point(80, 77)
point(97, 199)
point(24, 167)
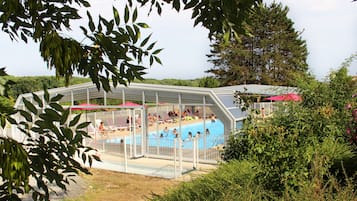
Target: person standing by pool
point(101, 128)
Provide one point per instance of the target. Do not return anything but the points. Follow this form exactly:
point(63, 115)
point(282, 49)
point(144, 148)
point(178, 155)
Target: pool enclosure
point(143, 110)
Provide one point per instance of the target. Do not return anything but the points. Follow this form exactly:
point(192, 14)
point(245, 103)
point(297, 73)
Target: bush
point(231, 181)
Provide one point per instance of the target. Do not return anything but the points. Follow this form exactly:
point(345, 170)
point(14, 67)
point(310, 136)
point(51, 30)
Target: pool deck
point(109, 134)
point(148, 166)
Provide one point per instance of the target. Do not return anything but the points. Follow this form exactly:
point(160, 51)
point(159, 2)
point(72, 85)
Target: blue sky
point(329, 28)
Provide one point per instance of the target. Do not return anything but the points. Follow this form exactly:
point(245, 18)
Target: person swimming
point(165, 132)
point(175, 133)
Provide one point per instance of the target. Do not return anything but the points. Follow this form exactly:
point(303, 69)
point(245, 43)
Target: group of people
point(166, 131)
point(198, 134)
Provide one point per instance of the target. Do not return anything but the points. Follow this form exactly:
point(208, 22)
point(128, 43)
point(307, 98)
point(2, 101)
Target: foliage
point(219, 17)
point(175, 82)
point(208, 82)
point(28, 84)
point(112, 48)
point(304, 141)
point(47, 155)
point(109, 49)
point(232, 181)
point(273, 54)
point(236, 180)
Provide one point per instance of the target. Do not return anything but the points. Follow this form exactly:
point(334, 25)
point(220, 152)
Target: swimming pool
point(162, 139)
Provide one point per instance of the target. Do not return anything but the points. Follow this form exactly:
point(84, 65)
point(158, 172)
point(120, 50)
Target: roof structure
point(220, 100)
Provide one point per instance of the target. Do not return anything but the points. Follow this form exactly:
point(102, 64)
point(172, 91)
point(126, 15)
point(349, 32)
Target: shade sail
point(285, 97)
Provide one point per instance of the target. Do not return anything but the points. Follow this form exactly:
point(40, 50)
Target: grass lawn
point(116, 186)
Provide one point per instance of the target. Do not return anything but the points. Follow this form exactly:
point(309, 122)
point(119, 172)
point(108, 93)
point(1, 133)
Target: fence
point(157, 156)
point(127, 147)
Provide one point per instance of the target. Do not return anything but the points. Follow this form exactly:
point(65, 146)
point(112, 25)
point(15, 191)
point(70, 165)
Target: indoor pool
point(166, 139)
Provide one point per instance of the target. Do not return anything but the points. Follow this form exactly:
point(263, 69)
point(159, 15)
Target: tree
point(208, 82)
point(305, 142)
point(273, 54)
point(115, 50)
point(47, 155)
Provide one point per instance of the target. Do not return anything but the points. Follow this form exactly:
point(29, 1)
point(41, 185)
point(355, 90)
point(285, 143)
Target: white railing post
point(125, 156)
point(197, 152)
point(194, 152)
point(180, 154)
point(175, 158)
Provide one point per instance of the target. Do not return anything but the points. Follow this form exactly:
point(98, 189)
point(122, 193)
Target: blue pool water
point(162, 139)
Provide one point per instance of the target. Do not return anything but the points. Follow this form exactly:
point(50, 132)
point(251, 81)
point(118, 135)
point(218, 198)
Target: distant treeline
point(29, 84)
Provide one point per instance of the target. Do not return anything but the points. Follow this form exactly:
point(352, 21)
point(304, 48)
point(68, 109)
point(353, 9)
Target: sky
point(328, 26)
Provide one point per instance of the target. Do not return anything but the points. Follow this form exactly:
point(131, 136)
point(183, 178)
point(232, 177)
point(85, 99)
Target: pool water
point(162, 139)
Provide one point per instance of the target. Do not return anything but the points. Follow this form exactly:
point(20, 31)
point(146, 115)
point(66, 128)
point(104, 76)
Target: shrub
point(231, 181)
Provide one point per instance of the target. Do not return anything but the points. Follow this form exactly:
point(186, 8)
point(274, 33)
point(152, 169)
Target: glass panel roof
point(228, 102)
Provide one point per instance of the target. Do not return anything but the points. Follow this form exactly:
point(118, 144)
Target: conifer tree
point(273, 54)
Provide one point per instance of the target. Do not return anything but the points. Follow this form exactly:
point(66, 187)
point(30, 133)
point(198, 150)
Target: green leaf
point(96, 157)
point(78, 138)
point(159, 9)
point(84, 157)
point(135, 15)
point(157, 59)
point(75, 120)
point(116, 16)
point(84, 30)
point(191, 4)
point(29, 106)
point(23, 37)
point(131, 33)
point(64, 116)
point(145, 41)
point(56, 106)
point(151, 60)
point(90, 160)
point(90, 22)
point(85, 4)
point(157, 51)
point(37, 99)
point(46, 95)
point(143, 25)
point(53, 114)
point(176, 5)
point(83, 125)
point(68, 133)
point(26, 115)
point(151, 46)
point(2, 121)
point(11, 120)
point(126, 14)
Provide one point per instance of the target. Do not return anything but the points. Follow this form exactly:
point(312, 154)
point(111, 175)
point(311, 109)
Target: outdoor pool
point(162, 139)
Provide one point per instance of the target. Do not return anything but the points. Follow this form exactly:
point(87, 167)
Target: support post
point(204, 129)
point(175, 158)
point(180, 133)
